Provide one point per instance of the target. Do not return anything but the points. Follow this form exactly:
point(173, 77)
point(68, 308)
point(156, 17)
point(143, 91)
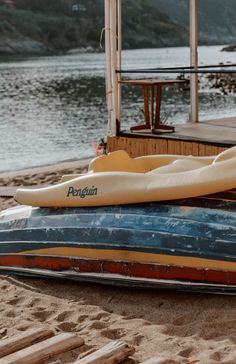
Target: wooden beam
point(114, 79)
point(108, 63)
point(119, 51)
point(112, 353)
point(44, 350)
point(193, 23)
point(22, 340)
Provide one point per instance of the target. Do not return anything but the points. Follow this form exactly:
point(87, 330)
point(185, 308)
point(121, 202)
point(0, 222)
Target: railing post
point(193, 23)
point(108, 63)
point(119, 57)
point(114, 80)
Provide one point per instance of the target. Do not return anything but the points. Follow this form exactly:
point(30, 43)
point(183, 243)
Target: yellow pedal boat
point(118, 179)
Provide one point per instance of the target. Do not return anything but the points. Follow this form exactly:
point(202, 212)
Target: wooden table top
point(151, 82)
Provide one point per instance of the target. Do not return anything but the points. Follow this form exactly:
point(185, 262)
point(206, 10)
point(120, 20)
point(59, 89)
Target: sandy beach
point(175, 327)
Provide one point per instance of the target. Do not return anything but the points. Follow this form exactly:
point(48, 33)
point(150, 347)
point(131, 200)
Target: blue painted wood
point(156, 227)
point(182, 228)
point(122, 229)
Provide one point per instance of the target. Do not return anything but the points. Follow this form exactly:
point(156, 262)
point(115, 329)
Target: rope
point(103, 30)
point(101, 37)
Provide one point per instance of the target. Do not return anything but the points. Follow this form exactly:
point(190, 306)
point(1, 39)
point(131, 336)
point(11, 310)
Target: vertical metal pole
point(193, 23)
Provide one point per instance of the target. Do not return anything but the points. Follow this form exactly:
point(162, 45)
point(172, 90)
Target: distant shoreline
point(22, 49)
point(28, 47)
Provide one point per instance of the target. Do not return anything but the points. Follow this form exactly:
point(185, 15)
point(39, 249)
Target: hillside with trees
point(52, 26)
point(216, 18)
point(56, 26)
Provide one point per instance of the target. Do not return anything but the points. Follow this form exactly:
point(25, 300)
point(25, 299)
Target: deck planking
point(205, 138)
point(220, 132)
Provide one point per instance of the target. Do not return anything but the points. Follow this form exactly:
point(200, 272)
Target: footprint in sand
point(217, 356)
point(24, 327)
point(34, 302)
point(113, 334)
point(67, 326)
point(64, 316)
point(213, 330)
point(183, 320)
point(42, 316)
point(100, 315)
point(10, 313)
point(98, 325)
point(187, 352)
point(136, 339)
point(82, 318)
point(16, 301)
point(225, 355)
point(4, 287)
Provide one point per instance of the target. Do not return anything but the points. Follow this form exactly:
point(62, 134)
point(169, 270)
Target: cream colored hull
point(118, 179)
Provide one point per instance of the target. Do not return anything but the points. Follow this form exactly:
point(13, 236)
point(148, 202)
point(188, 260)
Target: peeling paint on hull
point(188, 244)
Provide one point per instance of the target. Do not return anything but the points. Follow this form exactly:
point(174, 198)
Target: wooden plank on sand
point(22, 340)
point(44, 350)
point(112, 353)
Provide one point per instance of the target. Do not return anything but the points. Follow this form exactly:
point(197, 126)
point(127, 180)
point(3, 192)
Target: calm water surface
point(53, 108)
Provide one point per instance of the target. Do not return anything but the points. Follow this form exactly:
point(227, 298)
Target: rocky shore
point(229, 48)
point(224, 82)
point(26, 46)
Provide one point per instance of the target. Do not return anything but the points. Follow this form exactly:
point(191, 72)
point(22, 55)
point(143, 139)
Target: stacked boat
point(155, 221)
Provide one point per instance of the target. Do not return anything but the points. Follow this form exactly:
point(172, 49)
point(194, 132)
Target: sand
point(175, 327)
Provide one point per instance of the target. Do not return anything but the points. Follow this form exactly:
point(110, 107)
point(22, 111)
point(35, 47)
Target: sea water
point(54, 109)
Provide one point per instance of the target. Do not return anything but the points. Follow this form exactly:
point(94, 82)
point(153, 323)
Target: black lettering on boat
point(82, 193)
point(70, 191)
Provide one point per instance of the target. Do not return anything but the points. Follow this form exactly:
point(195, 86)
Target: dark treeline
point(64, 24)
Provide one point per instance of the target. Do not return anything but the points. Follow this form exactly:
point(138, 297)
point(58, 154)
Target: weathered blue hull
point(188, 244)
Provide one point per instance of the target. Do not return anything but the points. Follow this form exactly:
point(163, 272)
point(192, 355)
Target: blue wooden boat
point(185, 244)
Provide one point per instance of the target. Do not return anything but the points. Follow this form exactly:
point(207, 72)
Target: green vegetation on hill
point(40, 26)
point(216, 18)
point(145, 26)
point(57, 30)
point(59, 25)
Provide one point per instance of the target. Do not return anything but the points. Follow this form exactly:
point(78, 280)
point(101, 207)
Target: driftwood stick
point(22, 340)
point(44, 350)
point(112, 353)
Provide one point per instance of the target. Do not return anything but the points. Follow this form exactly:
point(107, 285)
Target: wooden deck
point(204, 138)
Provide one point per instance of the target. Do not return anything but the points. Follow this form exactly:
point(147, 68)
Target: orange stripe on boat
point(134, 256)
